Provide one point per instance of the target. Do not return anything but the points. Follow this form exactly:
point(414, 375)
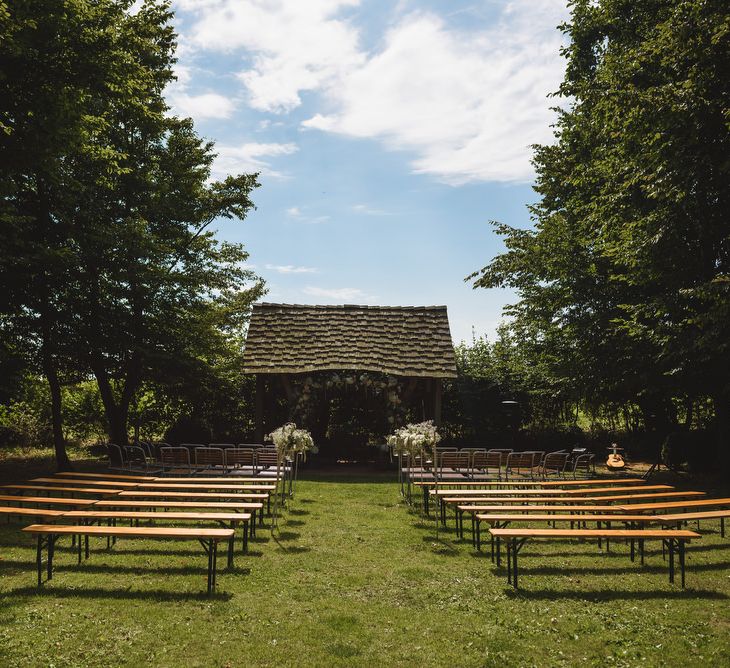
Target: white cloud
point(465, 103)
point(296, 213)
point(200, 107)
point(369, 210)
point(349, 295)
point(291, 269)
point(469, 105)
point(247, 158)
point(296, 46)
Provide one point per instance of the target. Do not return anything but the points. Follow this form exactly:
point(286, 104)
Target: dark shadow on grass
point(441, 547)
point(616, 595)
point(285, 536)
point(160, 595)
point(295, 523)
point(636, 567)
point(87, 567)
point(299, 512)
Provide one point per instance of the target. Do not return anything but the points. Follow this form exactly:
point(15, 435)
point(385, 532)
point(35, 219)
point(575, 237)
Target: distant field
point(355, 578)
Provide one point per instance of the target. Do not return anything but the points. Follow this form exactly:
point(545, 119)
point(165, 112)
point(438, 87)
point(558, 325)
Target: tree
point(624, 279)
point(115, 271)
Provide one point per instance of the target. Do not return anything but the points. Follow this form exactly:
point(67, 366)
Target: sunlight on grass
point(354, 577)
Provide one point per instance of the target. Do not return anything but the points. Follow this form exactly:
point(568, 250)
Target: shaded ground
point(354, 577)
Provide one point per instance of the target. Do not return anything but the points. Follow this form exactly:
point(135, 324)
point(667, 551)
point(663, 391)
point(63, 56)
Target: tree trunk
point(115, 417)
point(49, 369)
point(722, 431)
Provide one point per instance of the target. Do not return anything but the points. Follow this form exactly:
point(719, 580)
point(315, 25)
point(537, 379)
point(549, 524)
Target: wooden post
point(437, 388)
point(259, 419)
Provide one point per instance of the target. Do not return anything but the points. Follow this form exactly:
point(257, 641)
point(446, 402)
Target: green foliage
point(112, 267)
point(623, 280)
point(353, 579)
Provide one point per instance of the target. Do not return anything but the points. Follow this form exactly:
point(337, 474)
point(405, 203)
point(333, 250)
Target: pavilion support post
point(259, 408)
point(437, 393)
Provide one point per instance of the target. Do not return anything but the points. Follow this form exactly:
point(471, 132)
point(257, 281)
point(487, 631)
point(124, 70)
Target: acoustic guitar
point(615, 461)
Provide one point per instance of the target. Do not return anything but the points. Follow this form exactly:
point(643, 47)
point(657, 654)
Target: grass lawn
point(354, 577)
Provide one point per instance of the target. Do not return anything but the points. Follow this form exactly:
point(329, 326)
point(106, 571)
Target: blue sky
point(387, 135)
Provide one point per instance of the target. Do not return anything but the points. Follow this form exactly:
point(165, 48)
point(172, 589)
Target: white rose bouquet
point(291, 443)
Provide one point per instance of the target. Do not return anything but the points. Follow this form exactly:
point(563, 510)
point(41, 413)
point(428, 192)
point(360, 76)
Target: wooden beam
point(259, 408)
point(437, 391)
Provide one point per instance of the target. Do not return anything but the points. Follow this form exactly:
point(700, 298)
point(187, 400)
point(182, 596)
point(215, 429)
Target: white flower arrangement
point(414, 438)
point(290, 441)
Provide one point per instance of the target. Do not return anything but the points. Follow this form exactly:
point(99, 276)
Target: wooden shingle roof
point(397, 340)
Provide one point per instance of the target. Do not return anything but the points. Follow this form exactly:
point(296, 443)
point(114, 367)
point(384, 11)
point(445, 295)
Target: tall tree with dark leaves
point(115, 270)
point(626, 274)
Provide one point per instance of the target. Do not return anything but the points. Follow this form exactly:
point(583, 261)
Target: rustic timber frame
point(410, 342)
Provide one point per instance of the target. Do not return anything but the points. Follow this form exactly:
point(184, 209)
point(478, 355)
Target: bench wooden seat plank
point(253, 506)
point(117, 503)
point(592, 533)
point(244, 487)
point(97, 482)
point(231, 518)
point(679, 518)
point(477, 509)
point(675, 540)
point(32, 512)
point(532, 483)
point(265, 480)
point(48, 533)
point(672, 505)
point(68, 490)
point(191, 495)
point(564, 517)
point(553, 491)
point(108, 476)
point(48, 500)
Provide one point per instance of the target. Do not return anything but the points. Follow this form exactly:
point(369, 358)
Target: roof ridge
point(351, 306)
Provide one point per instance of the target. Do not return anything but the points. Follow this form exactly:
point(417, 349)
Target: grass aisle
point(355, 578)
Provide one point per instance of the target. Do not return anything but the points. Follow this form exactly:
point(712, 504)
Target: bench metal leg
point(425, 499)
point(514, 562)
point(51, 549)
point(509, 562)
point(681, 545)
point(214, 545)
point(670, 547)
point(39, 559)
point(230, 547)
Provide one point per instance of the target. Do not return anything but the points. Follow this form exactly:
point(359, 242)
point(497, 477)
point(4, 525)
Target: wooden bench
point(427, 485)
point(96, 482)
point(47, 534)
point(47, 500)
point(674, 505)
point(194, 494)
point(502, 520)
point(679, 518)
point(134, 516)
point(259, 480)
point(100, 491)
point(10, 511)
point(235, 506)
point(108, 476)
point(674, 540)
point(459, 501)
point(477, 509)
point(552, 491)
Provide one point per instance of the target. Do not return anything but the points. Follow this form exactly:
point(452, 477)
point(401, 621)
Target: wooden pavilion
point(410, 342)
